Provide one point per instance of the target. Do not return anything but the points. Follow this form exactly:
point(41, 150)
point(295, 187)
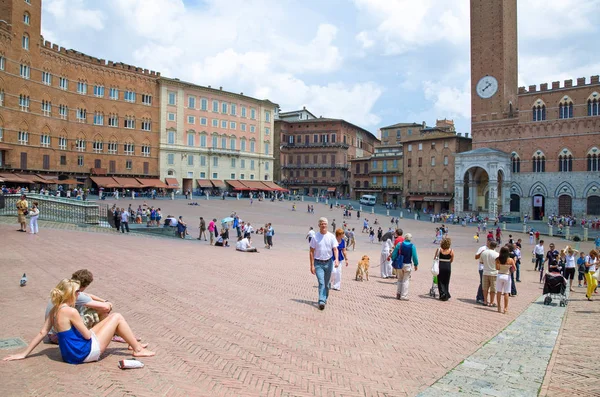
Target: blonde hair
point(64, 292)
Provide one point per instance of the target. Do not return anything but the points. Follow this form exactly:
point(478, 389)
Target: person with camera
point(22, 211)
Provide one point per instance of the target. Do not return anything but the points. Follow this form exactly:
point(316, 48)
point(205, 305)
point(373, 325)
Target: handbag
point(398, 263)
point(532, 260)
point(435, 267)
point(596, 275)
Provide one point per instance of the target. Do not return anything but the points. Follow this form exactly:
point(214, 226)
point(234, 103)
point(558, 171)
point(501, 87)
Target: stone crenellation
point(580, 82)
point(96, 61)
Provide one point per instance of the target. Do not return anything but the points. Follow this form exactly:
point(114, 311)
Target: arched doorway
point(593, 205)
point(515, 203)
point(476, 190)
point(539, 207)
point(565, 205)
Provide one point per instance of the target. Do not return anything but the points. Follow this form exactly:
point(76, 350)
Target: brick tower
point(494, 82)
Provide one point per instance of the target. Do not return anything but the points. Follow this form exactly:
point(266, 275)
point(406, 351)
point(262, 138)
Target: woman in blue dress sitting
point(77, 343)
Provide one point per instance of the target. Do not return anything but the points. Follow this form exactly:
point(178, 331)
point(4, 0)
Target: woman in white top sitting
point(245, 245)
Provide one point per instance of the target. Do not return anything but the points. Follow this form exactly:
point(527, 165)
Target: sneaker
point(321, 306)
point(480, 301)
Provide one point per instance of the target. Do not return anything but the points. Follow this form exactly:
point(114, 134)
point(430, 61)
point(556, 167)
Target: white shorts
point(503, 284)
point(94, 351)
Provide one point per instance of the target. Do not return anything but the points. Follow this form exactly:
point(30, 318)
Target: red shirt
point(398, 240)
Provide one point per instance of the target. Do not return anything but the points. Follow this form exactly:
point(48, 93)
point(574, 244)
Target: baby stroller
point(433, 292)
point(555, 286)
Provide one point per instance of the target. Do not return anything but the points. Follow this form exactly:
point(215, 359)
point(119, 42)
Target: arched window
point(593, 104)
point(25, 41)
point(565, 108)
point(357, 169)
point(516, 163)
point(366, 184)
point(357, 183)
point(539, 111)
point(593, 159)
point(565, 161)
point(539, 162)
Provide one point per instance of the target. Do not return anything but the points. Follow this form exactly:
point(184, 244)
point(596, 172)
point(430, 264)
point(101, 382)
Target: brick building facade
point(536, 151)
point(315, 154)
point(209, 135)
point(380, 175)
point(64, 113)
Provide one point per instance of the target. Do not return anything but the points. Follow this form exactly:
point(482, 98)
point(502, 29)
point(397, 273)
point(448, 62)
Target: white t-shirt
point(488, 257)
point(249, 229)
point(324, 245)
point(243, 244)
point(125, 216)
point(311, 234)
point(479, 251)
point(591, 262)
point(570, 261)
point(539, 250)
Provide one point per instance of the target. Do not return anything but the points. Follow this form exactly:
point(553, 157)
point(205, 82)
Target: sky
point(371, 62)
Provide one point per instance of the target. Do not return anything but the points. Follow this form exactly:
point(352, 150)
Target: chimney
point(424, 125)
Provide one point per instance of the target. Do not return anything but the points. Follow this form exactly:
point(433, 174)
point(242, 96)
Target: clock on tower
point(493, 59)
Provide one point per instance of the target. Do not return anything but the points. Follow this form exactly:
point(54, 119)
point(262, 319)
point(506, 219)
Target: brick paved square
point(229, 323)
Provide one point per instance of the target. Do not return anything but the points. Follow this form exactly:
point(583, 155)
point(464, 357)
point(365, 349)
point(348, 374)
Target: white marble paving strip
point(511, 364)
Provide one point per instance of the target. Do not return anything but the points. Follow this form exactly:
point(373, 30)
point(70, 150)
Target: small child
point(581, 268)
point(372, 235)
point(476, 237)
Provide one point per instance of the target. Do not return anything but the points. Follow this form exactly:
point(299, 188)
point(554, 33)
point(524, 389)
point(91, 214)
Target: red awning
point(437, 198)
point(8, 177)
point(254, 185)
point(172, 183)
point(152, 182)
point(128, 183)
point(204, 183)
point(236, 185)
point(331, 189)
point(32, 178)
point(416, 198)
point(69, 182)
point(218, 183)
point(5, 147)
point(103, 181)
point(274, 186)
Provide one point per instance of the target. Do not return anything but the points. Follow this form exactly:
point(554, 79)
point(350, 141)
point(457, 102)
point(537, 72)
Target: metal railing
point(59, 209)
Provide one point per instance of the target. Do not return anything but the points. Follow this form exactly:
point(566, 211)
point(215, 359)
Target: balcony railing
point(316, 166)
point(314, 145)
point(288, 182)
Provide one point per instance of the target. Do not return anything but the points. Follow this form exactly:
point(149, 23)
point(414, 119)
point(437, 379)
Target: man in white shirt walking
point(323, 256)
point(479, 297)
point(538, 252)
point(488, 258)
point(124, 220)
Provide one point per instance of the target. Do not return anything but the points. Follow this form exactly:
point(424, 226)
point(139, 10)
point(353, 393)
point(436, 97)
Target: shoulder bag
point(435, 267)
point(398, 263)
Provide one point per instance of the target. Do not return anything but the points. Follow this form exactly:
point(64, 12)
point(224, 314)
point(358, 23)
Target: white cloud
point(449, 101)
point(73, 14)
point(542, 19)
point(403, 25)
point(364, 40)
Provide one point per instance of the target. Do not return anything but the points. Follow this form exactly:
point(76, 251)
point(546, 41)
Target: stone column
point(506, 197)
point(493, 199)
point(458, 196)
point(472, 192)
point(585, 234)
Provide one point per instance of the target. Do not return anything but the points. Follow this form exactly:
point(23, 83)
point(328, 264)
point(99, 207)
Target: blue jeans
point(518, 275)
point(323, 272)
point(480, 290)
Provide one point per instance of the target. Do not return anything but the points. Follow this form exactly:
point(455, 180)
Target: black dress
point(444, 276)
